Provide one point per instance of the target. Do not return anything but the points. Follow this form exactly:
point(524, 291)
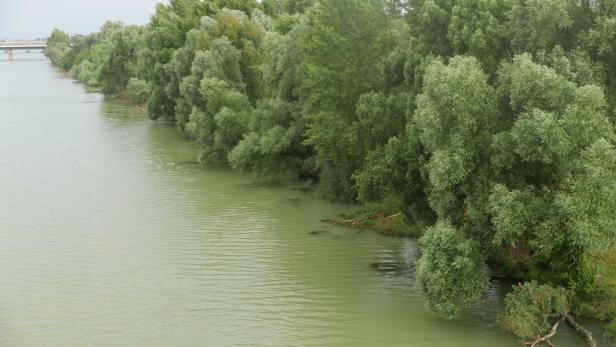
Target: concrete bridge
point(9, 47)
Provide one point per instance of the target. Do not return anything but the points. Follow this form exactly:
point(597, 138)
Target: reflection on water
point(110, 234)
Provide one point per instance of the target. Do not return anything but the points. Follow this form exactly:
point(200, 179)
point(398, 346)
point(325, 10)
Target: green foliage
point(245, 6)
point(58, 36)
point(531, 309)
point(529, 85)
point(167, 32)
point(496, 116)
point(276, 143)
point(611, 331)
point(383, 217)
point(117, 66)
point(343, 42)
point(429, 24)
point(589, 200)
point(538, 24)
point(384, 173)
point(218, 126)
point(513, 214)
point(456, 118)
point(477, 28)
point(451, 272)
point(104, 59)
point(86, 73)
point(138, 90)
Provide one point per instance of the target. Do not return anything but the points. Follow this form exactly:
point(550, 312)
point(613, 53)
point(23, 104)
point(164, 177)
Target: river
point(111, 235)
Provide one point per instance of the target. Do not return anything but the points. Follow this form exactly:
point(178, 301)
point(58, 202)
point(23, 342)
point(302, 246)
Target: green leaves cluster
point(531, 309)
point(452, 270)
point(105, 59)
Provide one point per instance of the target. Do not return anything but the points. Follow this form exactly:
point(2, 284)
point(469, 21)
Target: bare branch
point(587, 334)
point(546, 338)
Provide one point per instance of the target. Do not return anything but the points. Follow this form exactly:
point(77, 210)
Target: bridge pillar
point(10, 53)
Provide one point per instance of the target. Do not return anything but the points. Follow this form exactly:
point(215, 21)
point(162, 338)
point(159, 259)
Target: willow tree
point(275, 142)
point(343, 43)
point(533, 186)
point(456, 118)
point(165, 33)
point(58, 45)
point(489, 123)
point(118, 59)
point(218, 94)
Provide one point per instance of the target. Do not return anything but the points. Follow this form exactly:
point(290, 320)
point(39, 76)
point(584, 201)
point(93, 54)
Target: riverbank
point(381, 218)
point(204, 241)
point(599, 307)
point(385, 219)
point(482, 146)
point(107, 225)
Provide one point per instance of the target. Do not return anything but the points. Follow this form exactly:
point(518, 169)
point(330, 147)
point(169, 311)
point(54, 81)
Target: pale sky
point(28, 19)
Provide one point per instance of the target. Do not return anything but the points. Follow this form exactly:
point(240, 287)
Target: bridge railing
point(9, 47)
point(6, 44)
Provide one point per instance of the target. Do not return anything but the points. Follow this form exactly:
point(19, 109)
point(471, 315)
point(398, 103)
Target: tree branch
point(545, 338)
point(587, 334)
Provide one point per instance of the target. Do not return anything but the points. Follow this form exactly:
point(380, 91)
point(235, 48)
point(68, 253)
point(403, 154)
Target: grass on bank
point(604, 307)
point(383, 218)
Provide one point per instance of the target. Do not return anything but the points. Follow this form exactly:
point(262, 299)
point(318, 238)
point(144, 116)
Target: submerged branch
point(587, 334)
point(545, 338)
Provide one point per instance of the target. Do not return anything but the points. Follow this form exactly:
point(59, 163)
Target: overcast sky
point(27, 19)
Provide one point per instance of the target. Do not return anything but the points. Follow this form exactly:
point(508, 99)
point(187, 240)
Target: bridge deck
point(23, 45)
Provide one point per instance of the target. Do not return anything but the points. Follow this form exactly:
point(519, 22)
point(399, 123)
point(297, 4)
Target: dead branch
point(587, 334)
point(546, 338)
point(393, 216)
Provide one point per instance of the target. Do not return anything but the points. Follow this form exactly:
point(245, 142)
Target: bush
point(86, 73)
point(611, 330)
point(451, 271)
point(138, 90)
point(531, 309)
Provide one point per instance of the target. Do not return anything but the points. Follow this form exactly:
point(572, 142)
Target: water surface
point(110, 234)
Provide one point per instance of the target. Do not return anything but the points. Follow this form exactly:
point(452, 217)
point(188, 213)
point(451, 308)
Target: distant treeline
point(488, 123)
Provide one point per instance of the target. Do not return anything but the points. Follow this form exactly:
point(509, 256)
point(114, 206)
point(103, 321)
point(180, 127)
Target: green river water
point(110, 235)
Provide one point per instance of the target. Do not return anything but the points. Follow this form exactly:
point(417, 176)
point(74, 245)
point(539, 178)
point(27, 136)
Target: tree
point(138, 90)
point(489, 124)
point(534, 25)
point(275, 143)
point(341, 42)
point(220, 125)
point(166, 33)
point(456, 117)
point(451, 272)
point(117, 66)
point(532, 309)
point(477, 28)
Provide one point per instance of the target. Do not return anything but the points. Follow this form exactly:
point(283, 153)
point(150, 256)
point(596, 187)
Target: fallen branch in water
point(546, 338)
point(355, 222)
point(393, 216)
point(140, 108)
point(587, 334)
point(581, 330)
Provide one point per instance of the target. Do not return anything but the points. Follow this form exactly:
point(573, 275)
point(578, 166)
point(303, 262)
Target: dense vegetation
point(489, 124)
